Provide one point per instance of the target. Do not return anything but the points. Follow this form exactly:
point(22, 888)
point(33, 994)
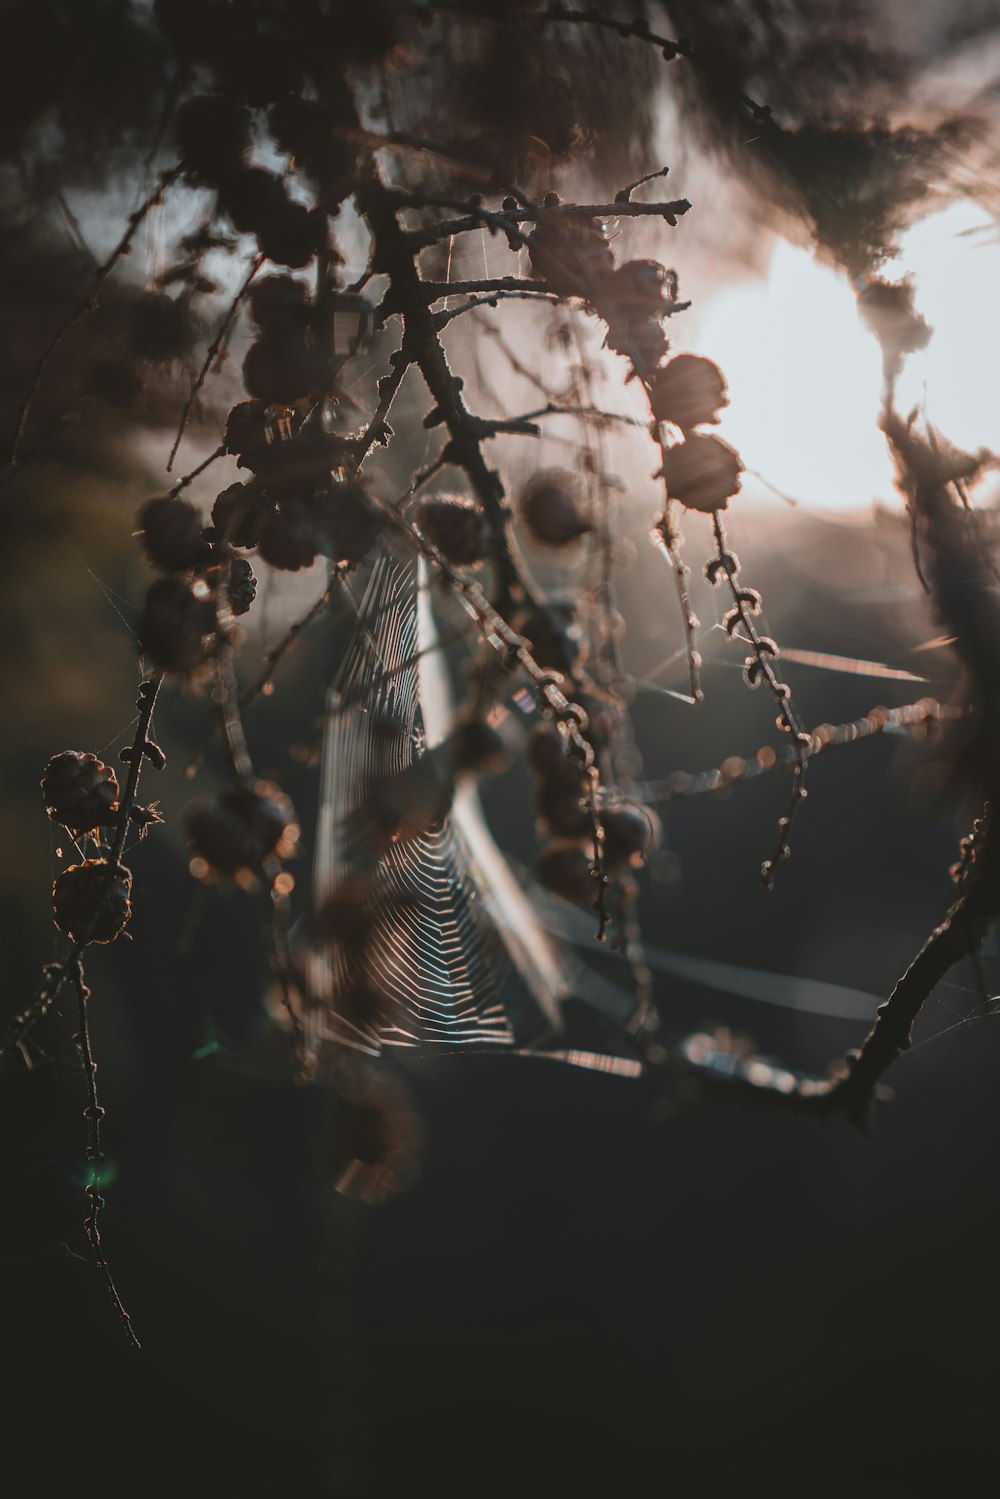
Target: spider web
point(456, 950)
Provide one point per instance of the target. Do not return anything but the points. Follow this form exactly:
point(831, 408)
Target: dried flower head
point(177, 627)
point(689, 390)
point(702, 472)
point(457, 527)
point(90, 901)
point(172, 535)
point(80, 791)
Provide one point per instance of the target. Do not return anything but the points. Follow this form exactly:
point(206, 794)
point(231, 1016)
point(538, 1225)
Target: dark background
point(578, 1295)
point(590, 1289)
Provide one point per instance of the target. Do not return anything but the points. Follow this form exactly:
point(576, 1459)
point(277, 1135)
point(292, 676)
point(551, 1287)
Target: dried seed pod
point(171, 535)
point(702, 473)
point(637, 287)
point(281, 368)
point(571, 254)
point(213, 136)
point(640, 338)
point(550, 507)
point(251, 197)
point(80, 792)
point(236, 514)
point(279, 304)
point(567, 870)
point(90, 901)
point(177, 627)
point(632, 832)
point(286, 539)
point(307, 130)
point(238, 829)
point(292, 236)
point(348, 521)
point(246, 432)
point(688, 391)
point(457, 527)
point(241, 586)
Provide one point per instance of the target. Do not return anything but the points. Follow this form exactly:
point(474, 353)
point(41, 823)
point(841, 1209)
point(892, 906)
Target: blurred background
point(592, 1285)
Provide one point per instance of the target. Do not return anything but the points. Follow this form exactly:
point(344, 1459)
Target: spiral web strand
point(455, 950)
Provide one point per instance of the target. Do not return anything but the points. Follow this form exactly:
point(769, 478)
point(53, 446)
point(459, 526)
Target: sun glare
point(805, 376)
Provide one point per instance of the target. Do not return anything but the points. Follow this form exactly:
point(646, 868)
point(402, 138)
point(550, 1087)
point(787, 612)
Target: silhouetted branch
point(88, 304)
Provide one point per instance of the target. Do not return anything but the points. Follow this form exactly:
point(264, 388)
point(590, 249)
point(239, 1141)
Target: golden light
point(805, 376)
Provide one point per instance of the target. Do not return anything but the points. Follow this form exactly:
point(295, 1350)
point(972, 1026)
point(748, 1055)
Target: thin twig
point(210, 357)
point(94, 1113)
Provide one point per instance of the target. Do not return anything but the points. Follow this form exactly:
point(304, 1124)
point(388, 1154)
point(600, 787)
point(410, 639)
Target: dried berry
point(551, 508)
point(703, 472)
point(457, 527)
point(566, 870)
point(239, 829)
point(688, 391)
point(171, 535)
point(90, 901)
point(80, 791)
point(177, 626)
